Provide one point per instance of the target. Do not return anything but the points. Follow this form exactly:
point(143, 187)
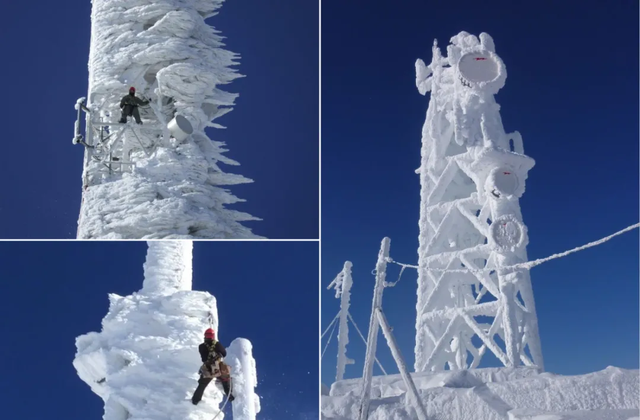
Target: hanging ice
point(144, 362)
point(472, 176)
point(160, 179)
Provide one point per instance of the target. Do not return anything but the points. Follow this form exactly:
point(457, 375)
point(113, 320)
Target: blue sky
point(571, 91)
point(272, 132)
point(56, 291)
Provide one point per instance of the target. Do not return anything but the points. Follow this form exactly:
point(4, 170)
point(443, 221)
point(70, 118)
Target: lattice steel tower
point(472, 175)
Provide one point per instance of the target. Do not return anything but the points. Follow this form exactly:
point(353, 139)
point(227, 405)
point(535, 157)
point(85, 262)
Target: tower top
point(168, 267)
point(473, 60)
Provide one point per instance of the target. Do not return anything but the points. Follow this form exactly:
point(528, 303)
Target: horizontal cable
point(526, 265)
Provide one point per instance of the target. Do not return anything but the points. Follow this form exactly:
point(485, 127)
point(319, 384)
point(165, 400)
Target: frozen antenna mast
point(342, 283)
point(160, 179)
point(472, 175)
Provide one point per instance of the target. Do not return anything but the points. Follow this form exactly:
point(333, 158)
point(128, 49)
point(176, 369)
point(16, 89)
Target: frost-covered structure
point(469, 300)
point(342, 284)
point(242, 364)
point(161, 179)
point(144, 362)
point(523, 393)
point(472, 176)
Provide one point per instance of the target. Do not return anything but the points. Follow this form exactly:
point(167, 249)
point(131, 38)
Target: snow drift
point(493, 394)
point(141, 182)
point(144, 362)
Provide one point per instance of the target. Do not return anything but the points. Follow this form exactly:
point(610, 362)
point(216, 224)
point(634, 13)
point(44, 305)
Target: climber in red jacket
point(212, 353)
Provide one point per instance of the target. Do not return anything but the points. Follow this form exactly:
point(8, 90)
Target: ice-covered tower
point(472, 175)
point(144, 362)
point(160, 179)
point(342, 284)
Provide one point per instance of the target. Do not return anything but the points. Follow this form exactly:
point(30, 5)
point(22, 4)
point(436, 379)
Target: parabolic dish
point(478, 67)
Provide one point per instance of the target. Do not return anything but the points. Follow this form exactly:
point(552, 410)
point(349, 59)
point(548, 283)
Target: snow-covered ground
point(144, 362)
point(494, 394)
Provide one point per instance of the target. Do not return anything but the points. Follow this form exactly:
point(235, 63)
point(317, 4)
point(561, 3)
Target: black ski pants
point(130, 110)
point(202, 385)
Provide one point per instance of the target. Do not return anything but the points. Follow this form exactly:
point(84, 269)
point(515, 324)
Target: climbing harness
point(220, 371)
point(217, 369)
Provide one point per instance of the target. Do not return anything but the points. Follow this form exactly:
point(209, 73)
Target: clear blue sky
point(56, 291)
point(571, 91)
point(272, 132)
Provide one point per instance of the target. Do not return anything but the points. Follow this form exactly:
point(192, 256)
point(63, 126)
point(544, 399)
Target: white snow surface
point(144, 361)
point(172, 189)
point(492, 394)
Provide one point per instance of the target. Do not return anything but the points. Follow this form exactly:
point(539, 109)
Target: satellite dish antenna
point(502, 182)
point(478, 67)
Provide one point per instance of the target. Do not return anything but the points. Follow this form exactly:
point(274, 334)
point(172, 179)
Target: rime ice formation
point(168, 268)
point(144, 362)
point(472, 176)
point(161, 179)
point(374, 326)
point(342, 284)
point(243, 366)
point(521, 393)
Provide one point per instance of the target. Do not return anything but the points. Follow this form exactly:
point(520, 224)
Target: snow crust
point(159, 187)
point(575, 415)
point(393, 385)
point(144, 361)
point(492, 394)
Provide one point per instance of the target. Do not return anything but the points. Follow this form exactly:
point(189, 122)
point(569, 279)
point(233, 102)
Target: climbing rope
point(225, 401)
point(521, 266)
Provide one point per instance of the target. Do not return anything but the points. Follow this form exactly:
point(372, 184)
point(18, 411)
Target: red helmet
point(132, 89)
point(209, 333)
